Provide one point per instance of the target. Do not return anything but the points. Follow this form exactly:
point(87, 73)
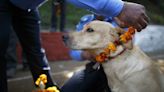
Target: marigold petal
point(106, 50)
point(99, 59)
point(131, 30)
point(112, 47)
point(123, 40)
point(52, 89)
point(37, 81)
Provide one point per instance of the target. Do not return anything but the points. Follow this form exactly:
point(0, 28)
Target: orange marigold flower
point(42, 78)
point(37, 82)
point(112, 47)
point(131, 30)
point(128, 36)
point(52, 89)
point(103, 55)
point(99, 59)
point(123, 39)
point(122, 36)
point(106, 50)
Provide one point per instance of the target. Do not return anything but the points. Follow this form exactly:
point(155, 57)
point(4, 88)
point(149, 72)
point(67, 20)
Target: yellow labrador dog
point(130, 70)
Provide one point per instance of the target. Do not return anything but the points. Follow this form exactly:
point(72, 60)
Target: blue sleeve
point(76, 55)
point(103, 7)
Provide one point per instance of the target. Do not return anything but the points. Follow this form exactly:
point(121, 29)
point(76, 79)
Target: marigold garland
point(52, 89)
point(112, 46)
point(42, 78)
point(41, 81)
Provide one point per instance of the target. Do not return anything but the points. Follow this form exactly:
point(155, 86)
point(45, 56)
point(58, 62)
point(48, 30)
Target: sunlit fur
point(131, 71)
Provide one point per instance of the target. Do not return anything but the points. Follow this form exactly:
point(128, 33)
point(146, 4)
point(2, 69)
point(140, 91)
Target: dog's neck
point(124, 65)
point(122, 56)
point(128, 61)
point(119, 50)
point(129, 64)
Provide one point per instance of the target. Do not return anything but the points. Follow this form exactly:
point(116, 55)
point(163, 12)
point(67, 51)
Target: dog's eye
point(90, 30)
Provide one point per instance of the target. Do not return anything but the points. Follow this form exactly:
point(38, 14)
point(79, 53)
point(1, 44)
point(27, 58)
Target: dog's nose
point(65, 37)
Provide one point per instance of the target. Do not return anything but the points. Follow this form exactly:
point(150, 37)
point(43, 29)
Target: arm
point(127, 14)
point(103, 7)
point(76, 55)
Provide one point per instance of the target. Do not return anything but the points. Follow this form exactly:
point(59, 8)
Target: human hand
point(134, 15)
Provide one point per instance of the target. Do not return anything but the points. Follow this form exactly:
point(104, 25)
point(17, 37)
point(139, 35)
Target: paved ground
point(61, 71)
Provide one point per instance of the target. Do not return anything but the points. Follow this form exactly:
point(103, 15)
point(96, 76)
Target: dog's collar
point(124, 38)
point(121, 52)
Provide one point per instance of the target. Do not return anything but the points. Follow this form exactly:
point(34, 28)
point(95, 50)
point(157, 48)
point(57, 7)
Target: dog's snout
point(65, 37)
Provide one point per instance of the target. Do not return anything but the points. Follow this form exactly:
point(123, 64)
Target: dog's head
point(95, 35)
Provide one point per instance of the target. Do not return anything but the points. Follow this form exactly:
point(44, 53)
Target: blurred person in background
point(11, 56)
point(58, 15)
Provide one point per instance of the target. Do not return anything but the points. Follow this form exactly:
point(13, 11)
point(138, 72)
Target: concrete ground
point(61, 71)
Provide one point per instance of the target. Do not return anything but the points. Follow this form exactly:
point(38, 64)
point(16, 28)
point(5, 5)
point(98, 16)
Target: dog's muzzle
point(65, 38)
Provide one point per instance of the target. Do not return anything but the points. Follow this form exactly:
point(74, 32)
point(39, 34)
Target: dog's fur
point(131, 71)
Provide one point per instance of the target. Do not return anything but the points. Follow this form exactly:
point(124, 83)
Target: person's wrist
point(114, 7)
point(121, 9)
point(119, 18)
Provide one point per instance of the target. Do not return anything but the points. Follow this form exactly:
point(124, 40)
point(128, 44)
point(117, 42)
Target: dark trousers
point(26, 25)
point(87, 80)
point(11, 56)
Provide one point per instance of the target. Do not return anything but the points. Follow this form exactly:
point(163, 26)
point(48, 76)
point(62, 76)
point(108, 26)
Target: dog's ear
point(119, 30)
point(129, 44)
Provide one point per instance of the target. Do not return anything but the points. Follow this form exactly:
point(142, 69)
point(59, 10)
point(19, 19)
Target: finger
point(143, 23)
point(146, 18)
point(138, 27)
